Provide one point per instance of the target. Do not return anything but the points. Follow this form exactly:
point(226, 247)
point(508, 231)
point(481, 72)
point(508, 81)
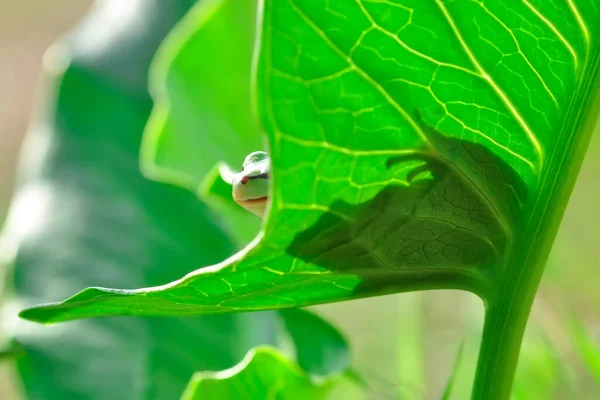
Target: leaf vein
point(361, 72)
point(554, 29)
point(580, 22)
point(520, 51)
point(531, 136)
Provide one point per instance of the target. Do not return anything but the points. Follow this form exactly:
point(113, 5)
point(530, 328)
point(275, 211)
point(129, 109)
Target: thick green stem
point(504, 327)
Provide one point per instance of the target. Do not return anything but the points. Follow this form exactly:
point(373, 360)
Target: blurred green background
point(395, 340)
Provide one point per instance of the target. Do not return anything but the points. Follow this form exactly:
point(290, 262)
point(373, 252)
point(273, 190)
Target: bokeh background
point(27, 28)
point(384, 332)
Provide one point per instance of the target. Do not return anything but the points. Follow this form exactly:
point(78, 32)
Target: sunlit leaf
point(412, 149)
point(263, 374)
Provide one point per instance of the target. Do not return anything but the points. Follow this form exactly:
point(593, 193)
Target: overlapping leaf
point(203, 115)
point(264, 373)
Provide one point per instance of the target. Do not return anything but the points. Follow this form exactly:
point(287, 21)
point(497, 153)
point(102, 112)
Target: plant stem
point(505, 323)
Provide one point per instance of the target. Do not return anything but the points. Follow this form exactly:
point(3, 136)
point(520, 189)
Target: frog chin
point(255, 206)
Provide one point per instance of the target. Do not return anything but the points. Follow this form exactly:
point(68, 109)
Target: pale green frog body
point(251, 185)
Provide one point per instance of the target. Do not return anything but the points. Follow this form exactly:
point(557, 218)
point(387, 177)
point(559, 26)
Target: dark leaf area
point(441, 220)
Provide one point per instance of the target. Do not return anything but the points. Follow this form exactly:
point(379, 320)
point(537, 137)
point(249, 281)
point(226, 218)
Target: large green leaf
point(381, 174)
point(415, 145)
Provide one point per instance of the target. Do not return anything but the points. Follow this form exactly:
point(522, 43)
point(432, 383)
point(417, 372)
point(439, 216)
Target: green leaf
point(263, 374)
point(201, 84)
point(414, 146)
point(321, 349)
point(389, 178)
